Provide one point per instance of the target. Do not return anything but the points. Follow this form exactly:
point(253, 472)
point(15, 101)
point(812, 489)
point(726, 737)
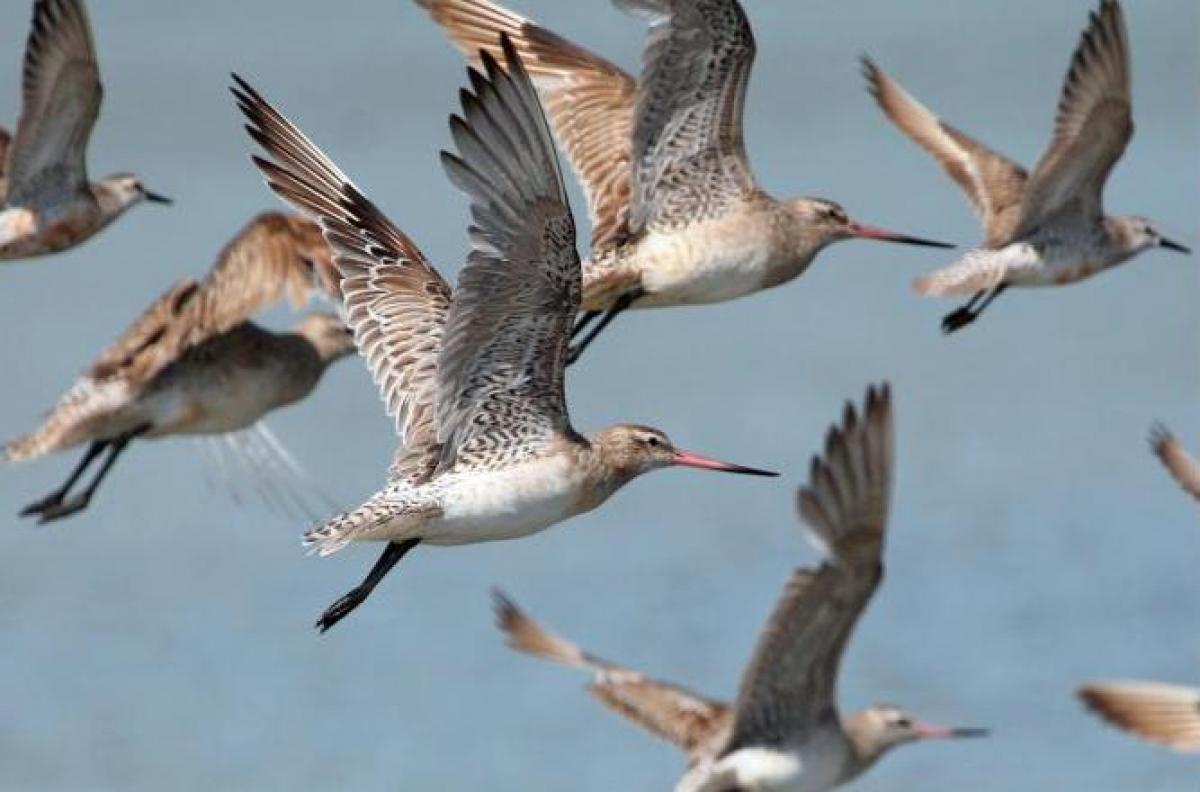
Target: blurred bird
point(193, 364)
point(48, 203)
point(784, 732)
point(1182, 466)
point(1047, 228)
point(1161, 713)
point(474, 378)
point(678, 217)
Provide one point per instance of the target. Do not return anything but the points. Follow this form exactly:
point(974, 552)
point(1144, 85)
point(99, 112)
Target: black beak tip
point(157, 198)
point(930, 243)
point(1175, 246)
point(971, 732)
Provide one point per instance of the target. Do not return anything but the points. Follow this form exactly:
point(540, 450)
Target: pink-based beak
point(882, 234)
point(928, 731)
point(688, 459)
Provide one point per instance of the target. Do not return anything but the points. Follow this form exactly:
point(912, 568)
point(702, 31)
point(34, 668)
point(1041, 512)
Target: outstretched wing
point(500, 373)
point(396, 303)
point(1158, 712)
point(689, 157)
point(994, 184)
point(1094, 123)
point(675, 714)
point(273, 255)
point(588, 100)
point(60, 104)
point(788, 690)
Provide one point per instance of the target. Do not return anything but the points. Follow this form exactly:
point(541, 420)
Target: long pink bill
point(882, 234)
point(688, 459)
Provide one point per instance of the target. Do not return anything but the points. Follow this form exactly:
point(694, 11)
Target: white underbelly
point(816, 768)
point(505, 504)
point(1060, 265)
point(698, 268)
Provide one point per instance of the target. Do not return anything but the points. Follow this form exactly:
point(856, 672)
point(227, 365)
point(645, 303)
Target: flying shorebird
point(1182, 466)
point(1155, 711)
point(474, 378)
point(193, 364)
point(48, 203)
point(784, 732)
point(1047, 228)
point(678, 217)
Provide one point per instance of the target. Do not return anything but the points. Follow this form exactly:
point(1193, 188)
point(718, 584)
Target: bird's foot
point(341, 609)
point(956, 320)
point(63, 508)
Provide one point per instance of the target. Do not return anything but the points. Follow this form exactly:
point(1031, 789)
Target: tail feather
point(335, 534)
point(70, 422)
point(978, 270)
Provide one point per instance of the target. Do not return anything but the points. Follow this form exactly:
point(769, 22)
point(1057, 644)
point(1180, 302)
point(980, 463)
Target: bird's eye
point(653, 441)
point(903, 723)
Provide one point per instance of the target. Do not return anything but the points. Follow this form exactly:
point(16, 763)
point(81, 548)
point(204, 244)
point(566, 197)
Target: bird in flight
point(785, 731)
point(1047, 228)
point(474, 376)
point(678, 217)
point(47, 203)
point(193, 363)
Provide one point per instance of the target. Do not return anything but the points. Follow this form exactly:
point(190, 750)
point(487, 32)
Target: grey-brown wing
point(5, 144)
point(1182, 466)
point(1093, 126)
point(500, 373)
point(789, 688)
point(152, 342)
point(395, 301)
point(678, 715)
point(994, 184)
point(588, 100)
point(273, 257)
point(60, 104)
point(689, 156)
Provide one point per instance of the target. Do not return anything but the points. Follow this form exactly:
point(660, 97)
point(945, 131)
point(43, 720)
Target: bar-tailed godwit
point(678, 217)
point(784, 732)
point(1182, 466)
point(193, 364)
point(474, 378)
point(48, 203)
point(1047, 228)
point(1155, 711)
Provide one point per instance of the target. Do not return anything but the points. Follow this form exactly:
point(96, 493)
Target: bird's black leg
point(65, 508)
point(56, 497)
point(968, 313)
point(389, 558)
point(623, 302)
point(582, 322)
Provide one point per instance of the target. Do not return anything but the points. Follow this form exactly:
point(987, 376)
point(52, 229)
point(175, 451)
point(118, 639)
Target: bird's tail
point(340, 531)
point(978, 270)
point(68, 424)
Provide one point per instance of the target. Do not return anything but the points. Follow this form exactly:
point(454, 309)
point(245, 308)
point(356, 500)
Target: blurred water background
point(163, 639)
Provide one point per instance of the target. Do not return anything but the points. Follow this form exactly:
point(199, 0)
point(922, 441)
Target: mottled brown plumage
point(1165, 714)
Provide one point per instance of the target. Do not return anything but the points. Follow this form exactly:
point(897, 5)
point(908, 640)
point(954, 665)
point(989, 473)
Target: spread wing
point(668, 711)
point(1093, 126)
point(788, 690)
point(1161, 713)
point(60, 103)
point(272, 256)
point(588, 100)
point(5, 144)
point(396, 303)
point(1182, 466)
point(994, 184)
point(500, 373)
point(689, 157)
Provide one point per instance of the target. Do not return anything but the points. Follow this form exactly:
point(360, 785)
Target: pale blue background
point(163, 641)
